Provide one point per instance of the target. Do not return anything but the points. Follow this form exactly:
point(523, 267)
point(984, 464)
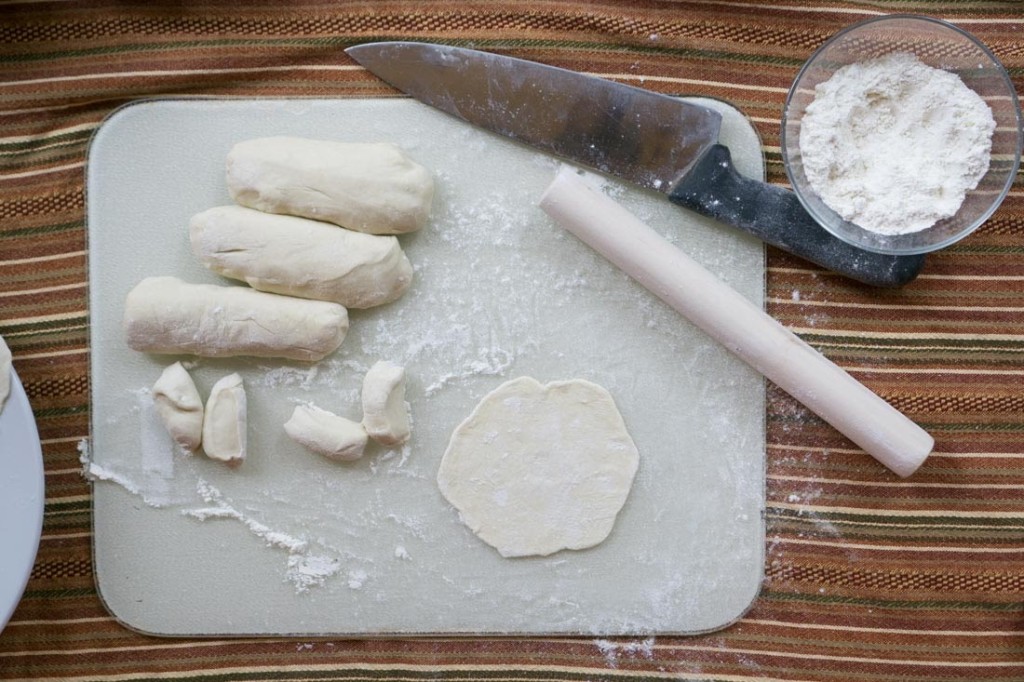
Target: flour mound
point(894, 145)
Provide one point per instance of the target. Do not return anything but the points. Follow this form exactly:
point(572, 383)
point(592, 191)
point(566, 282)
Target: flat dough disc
point(540, 468)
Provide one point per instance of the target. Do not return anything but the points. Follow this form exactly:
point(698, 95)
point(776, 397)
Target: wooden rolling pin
point(737, 324)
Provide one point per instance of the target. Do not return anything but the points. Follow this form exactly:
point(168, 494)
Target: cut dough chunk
point(371, 188)
point(540, 468)
point(5, 372)
point(385, 415)
point(180, 407)
point(300, 257)
point(326, 434)
point(166, 315)
point(224, 428)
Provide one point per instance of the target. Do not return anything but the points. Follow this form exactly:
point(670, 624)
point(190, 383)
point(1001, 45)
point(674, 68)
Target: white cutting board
point(300, 545)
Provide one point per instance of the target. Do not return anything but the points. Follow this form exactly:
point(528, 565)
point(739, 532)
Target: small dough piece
point(326, 433)
point(372, 188)
point(299, 257)
point(224, 428)
point(167, 315)
point(5, 372)
point(385, 414)
point(537, 468)
point(180, 406)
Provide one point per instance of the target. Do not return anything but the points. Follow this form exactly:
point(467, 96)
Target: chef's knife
point(653, 140)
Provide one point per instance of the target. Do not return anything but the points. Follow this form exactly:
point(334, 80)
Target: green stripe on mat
point(868, 517)
point(55, 228)
point(770, 594)
point(344, 41)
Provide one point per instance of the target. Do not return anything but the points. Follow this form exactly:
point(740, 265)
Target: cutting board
point(290, 543)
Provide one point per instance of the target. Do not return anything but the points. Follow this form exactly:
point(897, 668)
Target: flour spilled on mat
point(164, 479)
point(612, 649)
point(307, 567)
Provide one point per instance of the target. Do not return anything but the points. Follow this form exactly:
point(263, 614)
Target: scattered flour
point(97, 472)
point(152, 476)
point(154, 495)
point(894, 145)
point(285, 376)
point(611, 649)
point(356, 579)
point(310, 570)
point(305, 569)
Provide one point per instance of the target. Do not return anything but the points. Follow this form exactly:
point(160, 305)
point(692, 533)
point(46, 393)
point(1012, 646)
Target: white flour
point(305, 568)
point(894, 145)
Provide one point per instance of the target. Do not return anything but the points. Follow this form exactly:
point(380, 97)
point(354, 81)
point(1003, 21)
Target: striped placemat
point(867, 577)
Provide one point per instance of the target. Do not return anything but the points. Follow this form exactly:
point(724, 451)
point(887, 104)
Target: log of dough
point(167, 315)
point(371, 188)
point(5, 372)
point(180, 406)
point(226, 421)
point(326, 434)
point(299, 257)
point(385, 414)
point(540, 468)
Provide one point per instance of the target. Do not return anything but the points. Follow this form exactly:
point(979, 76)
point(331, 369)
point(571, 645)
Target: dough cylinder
point(167, 315)
point(367, 187)
point(300, 257)
point(736, 323)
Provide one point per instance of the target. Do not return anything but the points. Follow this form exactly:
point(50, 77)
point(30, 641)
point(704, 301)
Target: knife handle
point(714, 188)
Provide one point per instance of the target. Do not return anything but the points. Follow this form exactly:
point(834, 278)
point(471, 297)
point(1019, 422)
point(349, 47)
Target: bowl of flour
point(902, 134)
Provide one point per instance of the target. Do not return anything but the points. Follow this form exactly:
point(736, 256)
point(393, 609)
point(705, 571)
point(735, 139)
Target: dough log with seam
point(167, 315)
point(366, 187)
point(300, 257)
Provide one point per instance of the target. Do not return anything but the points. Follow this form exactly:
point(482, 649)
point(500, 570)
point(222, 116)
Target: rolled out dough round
point(539, 468)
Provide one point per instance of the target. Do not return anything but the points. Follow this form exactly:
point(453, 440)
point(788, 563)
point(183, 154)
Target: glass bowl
point(937, 44)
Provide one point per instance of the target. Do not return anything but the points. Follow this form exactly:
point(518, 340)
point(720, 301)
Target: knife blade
point(652, 140)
